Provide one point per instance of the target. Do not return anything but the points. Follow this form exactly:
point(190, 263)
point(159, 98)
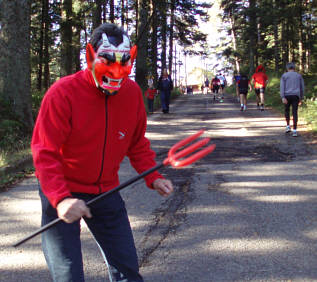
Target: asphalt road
point(246, 212)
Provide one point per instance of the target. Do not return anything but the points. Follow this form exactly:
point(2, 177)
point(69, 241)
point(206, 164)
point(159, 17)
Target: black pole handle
point(116, 189)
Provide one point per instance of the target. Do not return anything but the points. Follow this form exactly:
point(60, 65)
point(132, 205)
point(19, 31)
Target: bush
point(309, 113)
point(11, 135)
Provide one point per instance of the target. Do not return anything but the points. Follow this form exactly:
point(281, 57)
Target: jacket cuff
point(151, 178)
point(60, 198)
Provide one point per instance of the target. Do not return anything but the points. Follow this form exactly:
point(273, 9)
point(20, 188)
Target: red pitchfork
point(173, 159)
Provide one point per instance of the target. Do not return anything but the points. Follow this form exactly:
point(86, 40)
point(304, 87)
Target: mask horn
point(90, 55)
point(133, 53)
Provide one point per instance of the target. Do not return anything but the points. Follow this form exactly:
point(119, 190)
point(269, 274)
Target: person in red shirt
point(150, 94)
point(215, 84)
point(260, 81)
point(88, 122)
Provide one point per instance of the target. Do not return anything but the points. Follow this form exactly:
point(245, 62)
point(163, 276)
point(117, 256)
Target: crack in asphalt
point(168, 218)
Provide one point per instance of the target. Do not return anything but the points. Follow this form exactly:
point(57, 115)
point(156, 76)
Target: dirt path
point(247, 212)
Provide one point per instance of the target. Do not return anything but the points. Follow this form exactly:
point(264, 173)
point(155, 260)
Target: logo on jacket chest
point(121, 135)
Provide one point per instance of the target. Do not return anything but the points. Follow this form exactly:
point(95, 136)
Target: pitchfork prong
point(177, 155)
point(174, 157)
point(187, 140)
point(194, 157)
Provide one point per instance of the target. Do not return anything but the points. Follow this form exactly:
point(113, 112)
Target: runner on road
point(88, 122)
point(215, 84)
point(244, 85)
point(165, 86)
point(223, 83)
point(292, 93)
point(260, 81)
point(206, 87)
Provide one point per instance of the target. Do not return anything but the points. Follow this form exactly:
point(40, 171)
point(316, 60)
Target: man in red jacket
point(87, 124)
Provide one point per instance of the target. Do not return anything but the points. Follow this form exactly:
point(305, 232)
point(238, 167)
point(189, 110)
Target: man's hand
point(163, 186)
point(284, 100)
point(71, 209)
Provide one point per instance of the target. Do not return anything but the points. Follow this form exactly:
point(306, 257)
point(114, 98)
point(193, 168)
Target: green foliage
point(272, 32)
point(9, 179)
point(309, 112)
point(37, 97)
point(309, 108)
point(11, 134)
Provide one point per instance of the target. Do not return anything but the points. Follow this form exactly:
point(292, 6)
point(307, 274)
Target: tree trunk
point(141, 60)
point(234, 43)
point(163, 8)
point(253, 35)
point(66, 38)
point(77, 47)
point(137, 18)
point(154, 42)
point(104, 11)
point(47, 23)
point(301, 52)
point(122, 13)
point(15, 51)
point(127, 13)
point(276, 37)
point(284, 41)
point(171, 37)
point(40, 52)
point(97, 11)
point(111, 18)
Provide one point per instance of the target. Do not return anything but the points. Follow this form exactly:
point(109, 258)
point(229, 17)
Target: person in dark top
point(206, 86)
point(244, 85)
point(165, 86)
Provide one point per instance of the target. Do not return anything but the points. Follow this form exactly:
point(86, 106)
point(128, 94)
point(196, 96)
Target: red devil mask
point(112, 62)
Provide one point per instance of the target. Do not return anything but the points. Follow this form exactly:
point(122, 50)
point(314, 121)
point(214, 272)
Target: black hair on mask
point(114, 33)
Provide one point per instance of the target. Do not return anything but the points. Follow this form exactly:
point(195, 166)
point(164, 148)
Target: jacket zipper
point(104, 143)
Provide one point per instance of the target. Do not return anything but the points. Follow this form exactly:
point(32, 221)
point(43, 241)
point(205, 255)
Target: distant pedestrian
point(260, 81)
point(223, 83)
point(206, 86)
point(243, 85)
point(150, 94)
point(189, 90)
point(165, 86)
point(215, 84)
point(292, 93)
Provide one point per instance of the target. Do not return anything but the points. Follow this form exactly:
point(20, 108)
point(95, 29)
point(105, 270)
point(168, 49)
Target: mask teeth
point(108, 83)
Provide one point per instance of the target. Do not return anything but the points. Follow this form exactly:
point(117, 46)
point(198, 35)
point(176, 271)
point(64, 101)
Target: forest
point(43, 40)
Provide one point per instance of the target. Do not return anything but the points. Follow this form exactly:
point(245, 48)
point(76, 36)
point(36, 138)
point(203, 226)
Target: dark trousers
point(110, 227)
point(292, 100)
point(165, 100)
point(150, 103)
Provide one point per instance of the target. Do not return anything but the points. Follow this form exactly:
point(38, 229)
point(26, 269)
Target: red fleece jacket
point(81, 136)
point(259, 77)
